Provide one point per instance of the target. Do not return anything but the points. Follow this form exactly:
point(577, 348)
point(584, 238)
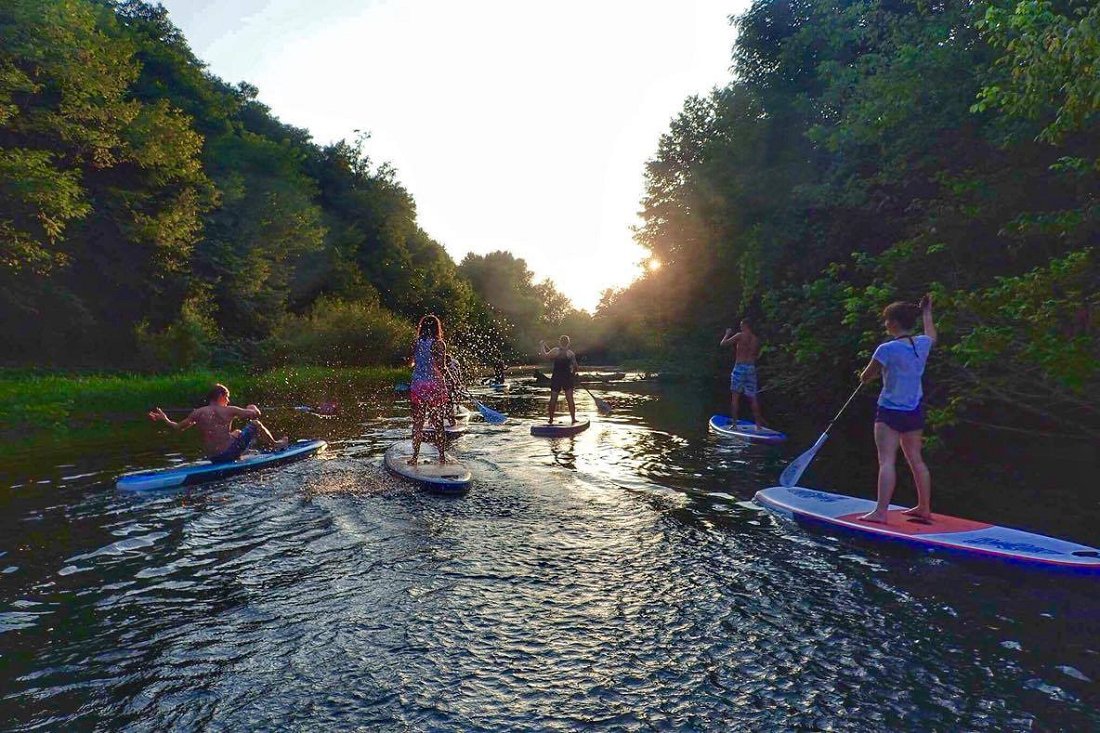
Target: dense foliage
point(875, 150)
point(152, 215)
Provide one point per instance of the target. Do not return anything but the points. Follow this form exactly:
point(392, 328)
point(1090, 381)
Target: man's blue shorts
point(240, 444)
point(743, 379)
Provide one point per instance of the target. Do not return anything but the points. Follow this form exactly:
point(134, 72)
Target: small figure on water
point(428, 391)
point(899, 419)
point(498, 377)
point(743, 377)
point(221, 442)
point(562, 378)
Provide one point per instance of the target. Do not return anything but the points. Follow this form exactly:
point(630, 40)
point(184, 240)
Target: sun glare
point(654, 264)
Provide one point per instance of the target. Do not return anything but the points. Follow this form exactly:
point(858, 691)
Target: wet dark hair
point(218, 390)
point(902, 313)
point(429, 328)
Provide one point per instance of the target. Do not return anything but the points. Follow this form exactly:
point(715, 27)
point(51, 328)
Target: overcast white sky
point(515, 125)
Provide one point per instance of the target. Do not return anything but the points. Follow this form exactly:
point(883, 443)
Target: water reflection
point(619, 578)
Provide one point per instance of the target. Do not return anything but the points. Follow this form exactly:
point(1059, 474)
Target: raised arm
point(730, 337)
point(157, 415)
point(248, 413)
point(926, 317)
point(544, 352)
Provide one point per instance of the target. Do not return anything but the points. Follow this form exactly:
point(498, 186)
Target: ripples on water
point(620, 579)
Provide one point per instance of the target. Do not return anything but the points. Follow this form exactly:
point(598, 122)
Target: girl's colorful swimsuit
point(427, 386)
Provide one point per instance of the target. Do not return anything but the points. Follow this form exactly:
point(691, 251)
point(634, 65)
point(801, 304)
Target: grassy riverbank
point(35, 403)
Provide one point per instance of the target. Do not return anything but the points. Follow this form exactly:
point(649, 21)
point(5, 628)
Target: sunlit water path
point(620, 579)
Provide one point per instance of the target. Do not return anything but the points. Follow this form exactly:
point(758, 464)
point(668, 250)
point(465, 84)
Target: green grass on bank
point(33, 403)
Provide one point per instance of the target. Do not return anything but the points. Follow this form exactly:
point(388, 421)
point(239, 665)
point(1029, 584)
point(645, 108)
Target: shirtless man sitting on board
point(743, 378)
point(222, 443)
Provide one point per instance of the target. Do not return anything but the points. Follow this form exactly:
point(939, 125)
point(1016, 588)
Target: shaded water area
point(620, 579)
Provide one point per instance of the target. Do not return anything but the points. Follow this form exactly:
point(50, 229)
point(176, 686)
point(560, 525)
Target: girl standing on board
point(428, 390)
point(561, 380)
point(900, 415)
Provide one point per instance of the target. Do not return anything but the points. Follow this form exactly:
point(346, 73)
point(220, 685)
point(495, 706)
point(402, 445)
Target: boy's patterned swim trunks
point(743, 379)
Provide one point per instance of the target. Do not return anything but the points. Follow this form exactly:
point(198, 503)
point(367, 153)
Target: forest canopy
point(154, 216)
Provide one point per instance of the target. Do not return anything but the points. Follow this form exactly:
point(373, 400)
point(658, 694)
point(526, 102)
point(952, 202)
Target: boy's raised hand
point(926, 302)
point(157, 414)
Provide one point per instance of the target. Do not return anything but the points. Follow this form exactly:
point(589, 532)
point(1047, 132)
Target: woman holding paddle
point(899, 419)
point(561, 380)
point(428, 391)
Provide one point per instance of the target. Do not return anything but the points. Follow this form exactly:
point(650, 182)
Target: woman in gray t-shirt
point(899, 419)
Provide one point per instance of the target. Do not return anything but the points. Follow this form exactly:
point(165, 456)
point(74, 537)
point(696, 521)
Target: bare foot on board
point(918, 513)
point(875, 516)
point(282, 443)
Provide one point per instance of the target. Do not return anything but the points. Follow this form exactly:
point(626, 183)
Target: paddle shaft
point(845, 407)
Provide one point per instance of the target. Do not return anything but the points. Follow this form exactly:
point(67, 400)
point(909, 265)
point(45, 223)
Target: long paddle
point(490, 415)
point(601, 405)
point(797, 467)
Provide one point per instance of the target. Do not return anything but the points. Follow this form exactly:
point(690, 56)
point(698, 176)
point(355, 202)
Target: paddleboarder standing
point(743, 380)
point(428, 390)
point(899, 419)
point(562, 378)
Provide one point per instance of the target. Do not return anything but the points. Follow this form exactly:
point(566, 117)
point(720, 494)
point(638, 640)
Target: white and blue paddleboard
point(560, 428)
point(941, 532)
point(444, 478)
point(745, 430)
point(205, 471)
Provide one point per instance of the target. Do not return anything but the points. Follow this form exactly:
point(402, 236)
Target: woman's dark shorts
point(903, 421)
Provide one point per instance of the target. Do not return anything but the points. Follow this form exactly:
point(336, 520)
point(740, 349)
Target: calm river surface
point(620, 580)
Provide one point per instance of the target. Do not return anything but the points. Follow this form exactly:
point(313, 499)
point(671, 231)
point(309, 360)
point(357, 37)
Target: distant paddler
point(428, 391)
point(563, 376)
point(221, 442)
point(743, 378)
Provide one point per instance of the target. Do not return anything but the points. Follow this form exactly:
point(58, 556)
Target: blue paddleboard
point(205, 471)
point(745, 430)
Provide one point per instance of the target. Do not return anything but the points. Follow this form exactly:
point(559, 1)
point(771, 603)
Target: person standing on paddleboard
point(428, 391)
point(743, 377)
point(899, 419)
point(222, 443)
point(562, 378)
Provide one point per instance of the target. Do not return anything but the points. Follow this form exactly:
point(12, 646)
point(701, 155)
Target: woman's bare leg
point(572, 405)
point(886, 439)
point(418, 431)
point(922, 477)
point(553, 404)
point(440, 437)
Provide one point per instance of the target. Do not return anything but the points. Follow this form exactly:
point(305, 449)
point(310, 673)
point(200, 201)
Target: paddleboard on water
point(447, 478)
point(745, 430)
point(942, 532)
point(461, 427)
point(205, 471)
point(560, 428)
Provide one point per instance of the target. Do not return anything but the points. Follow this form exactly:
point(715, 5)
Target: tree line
point(873, 150)
point(153, 216)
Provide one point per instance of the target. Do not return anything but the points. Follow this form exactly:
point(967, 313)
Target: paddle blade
point(603, 406)
point(797, 467)
point(491, 416)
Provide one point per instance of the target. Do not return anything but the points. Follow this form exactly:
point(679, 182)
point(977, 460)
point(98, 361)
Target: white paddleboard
point(942, 532)
point(446, 478)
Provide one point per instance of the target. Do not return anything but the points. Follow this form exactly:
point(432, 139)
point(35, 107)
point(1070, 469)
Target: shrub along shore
point(35, 403)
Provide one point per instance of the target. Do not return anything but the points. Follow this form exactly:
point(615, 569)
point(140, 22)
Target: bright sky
point(515, 125)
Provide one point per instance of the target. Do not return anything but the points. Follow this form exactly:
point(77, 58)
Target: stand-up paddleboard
point(561, 427)
point(446, 478)
point(745, 430)
point(205, 471)
point(942, 532)
point(461, 427)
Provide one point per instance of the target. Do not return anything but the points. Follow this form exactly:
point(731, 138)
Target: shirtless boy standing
point(743, 378)
point(222, 443)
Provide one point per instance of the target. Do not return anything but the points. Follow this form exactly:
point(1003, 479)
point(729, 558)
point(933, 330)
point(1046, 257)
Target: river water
point(621, 580)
